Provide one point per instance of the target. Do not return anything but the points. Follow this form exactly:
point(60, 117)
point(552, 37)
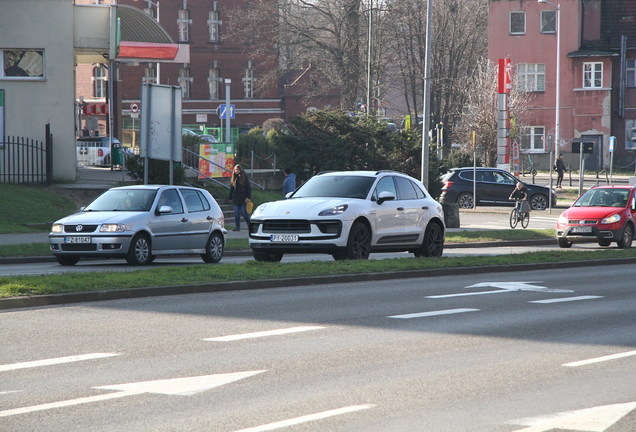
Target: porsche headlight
point(57, 228)
point(334, 211)
point(113, 228)
point(259, 210)
point(612, 219)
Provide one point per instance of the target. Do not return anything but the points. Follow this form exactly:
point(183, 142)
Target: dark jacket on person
point(521, 194)
point(239, 192)
point(559, 166)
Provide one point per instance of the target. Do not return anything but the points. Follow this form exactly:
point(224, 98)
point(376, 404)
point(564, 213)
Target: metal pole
point(228, 135)
point(369, 62)
point(474, 173)
point(427, 86)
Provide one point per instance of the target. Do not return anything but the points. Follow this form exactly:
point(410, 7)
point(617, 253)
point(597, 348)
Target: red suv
point(603, 214)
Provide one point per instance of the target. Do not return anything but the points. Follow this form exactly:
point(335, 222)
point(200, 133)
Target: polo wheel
point(564, 243)
point(213, 249)
point(67, 260)
point(139, 252)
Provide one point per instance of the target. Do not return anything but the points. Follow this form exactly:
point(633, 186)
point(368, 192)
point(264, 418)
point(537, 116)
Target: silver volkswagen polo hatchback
point(138, 223)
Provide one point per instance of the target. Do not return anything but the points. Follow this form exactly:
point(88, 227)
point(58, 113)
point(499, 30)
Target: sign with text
point(215, 157)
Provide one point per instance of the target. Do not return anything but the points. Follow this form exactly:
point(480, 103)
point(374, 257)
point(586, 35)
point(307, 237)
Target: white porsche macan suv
point(349, 214)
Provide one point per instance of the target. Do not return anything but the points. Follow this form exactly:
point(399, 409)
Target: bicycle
point(517, 215)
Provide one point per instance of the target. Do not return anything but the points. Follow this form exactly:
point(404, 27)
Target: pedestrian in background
point(289, 185)
point(559, 167)
point(240, 195)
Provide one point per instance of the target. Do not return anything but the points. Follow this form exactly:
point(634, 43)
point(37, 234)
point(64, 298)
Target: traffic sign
point(134, 108)
point(222, 111)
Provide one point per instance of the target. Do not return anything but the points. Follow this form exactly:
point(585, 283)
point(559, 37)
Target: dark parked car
point(603, 214)
point(494, 186)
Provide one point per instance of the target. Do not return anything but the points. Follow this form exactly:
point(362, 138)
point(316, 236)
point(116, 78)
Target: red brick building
point(597, 76)
point(213, 59)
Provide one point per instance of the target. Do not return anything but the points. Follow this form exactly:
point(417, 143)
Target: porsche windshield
point(331, 186)
point(123, 200)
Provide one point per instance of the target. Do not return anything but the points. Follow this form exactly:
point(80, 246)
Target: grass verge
point(253, 270)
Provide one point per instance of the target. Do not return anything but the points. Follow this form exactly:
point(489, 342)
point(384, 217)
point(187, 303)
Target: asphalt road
point(527, 351)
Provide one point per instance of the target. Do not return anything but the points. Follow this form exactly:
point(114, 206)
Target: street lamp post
point(557, 135)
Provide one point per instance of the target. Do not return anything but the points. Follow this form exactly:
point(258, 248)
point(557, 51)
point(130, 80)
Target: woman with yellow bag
point(240, 195)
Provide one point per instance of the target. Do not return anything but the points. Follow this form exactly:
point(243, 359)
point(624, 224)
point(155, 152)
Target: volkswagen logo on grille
point(79, 228)
point(582, 222)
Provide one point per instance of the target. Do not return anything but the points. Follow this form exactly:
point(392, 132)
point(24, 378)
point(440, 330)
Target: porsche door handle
point(400, 208)
point(184, 220)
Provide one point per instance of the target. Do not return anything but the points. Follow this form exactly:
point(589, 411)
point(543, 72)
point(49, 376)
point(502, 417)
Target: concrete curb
point(247, 252)
point(58, 299)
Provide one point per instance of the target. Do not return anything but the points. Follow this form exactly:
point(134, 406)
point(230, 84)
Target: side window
point(204, 201)
point(192, 200)
point(171, 198)
point(405, 188)
point(419, 193)
point(467, 175)
point(386, 184)
point(485, 176)
point(505, 179)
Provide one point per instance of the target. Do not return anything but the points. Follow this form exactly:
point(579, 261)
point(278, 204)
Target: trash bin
point(117, 156)
point(451, 215)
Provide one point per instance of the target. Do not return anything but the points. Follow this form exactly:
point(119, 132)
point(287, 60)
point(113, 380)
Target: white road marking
point(263, 334)
point(176, 386)
point(433, 313)
point(55, 361)
point(600, 359)
point(566, 299)
point(504, 287)
point(307, 418)
point(597, 419)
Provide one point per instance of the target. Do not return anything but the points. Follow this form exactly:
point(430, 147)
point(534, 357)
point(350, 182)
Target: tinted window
point(503, 178)
point(467, 175)
point(405, 188)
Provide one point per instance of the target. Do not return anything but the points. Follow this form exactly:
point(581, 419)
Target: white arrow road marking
point(176, 386)
point(433, 313)
point(506, 287)
point(307, 418)
point(567, 299)
point(600, 359)
point(596, 419)
point(263, 334)
point(54, 361)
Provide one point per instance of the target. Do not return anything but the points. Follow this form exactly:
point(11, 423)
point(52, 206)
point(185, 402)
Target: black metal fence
point(24, 160)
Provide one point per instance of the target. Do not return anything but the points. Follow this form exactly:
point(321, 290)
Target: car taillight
point(447, 184)
point(100, 152)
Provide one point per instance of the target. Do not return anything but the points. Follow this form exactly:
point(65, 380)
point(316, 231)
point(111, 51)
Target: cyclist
point(520, 193)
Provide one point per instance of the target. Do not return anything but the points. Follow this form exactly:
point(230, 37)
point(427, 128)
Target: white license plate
point(286, 238)
point(583, 229)
point(77, 239)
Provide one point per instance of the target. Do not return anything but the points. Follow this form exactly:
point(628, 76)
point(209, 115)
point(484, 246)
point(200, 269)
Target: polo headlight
point(612, 219)
point(112, 228)
point(57, 228)
point(334, 211)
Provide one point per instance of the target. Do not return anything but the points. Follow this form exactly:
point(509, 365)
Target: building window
point(531, 77)
point(592, 75)
point(184, 25)
point(548, 21)
point(248, 81)
point(630, 78)
point(213, 23)
point(532, 138)
point(517, 23)
point(99, 82)
point(150, 75)
point(185, 81)
point(214, 82)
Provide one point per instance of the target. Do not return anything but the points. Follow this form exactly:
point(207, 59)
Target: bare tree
point(481, 112)
point(325, 33)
